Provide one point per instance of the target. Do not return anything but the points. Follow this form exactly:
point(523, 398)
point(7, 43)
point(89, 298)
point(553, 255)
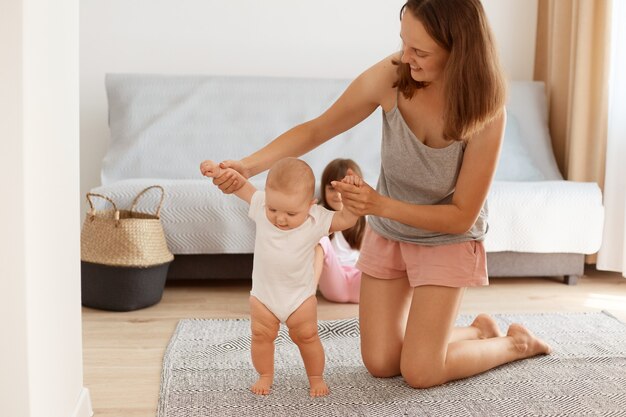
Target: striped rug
point(207, 372)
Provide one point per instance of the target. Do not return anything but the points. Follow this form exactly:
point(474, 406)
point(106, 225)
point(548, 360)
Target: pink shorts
point(338, 283)
point(453, 265)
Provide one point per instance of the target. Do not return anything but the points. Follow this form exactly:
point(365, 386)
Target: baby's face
point(287, 210)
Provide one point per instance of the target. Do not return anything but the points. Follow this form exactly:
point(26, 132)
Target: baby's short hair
point(291, 175)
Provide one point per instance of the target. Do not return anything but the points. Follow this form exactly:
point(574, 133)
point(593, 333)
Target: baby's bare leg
point(303, 331)
point(264, 327)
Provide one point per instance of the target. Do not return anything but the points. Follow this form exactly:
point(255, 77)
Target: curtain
point(572, 56)
point(612, 255)
point(572, 59)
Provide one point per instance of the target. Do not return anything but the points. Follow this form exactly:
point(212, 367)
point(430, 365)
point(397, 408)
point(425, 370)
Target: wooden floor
point(123, 351)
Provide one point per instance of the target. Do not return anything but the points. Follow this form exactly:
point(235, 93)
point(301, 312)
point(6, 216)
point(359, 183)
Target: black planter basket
point(124, 256)
point(116, 288)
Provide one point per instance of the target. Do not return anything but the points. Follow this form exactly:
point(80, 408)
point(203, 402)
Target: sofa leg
point(571, 279)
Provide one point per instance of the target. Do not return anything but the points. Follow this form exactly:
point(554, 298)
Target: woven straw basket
point(124, 256)
point(124, 237)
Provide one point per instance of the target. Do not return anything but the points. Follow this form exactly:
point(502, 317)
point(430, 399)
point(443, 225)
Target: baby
point(289, 224)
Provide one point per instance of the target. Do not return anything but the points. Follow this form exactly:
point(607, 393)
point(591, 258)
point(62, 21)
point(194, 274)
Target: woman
point(442, 98)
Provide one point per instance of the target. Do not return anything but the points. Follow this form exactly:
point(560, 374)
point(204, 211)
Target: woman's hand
point(228, 184)
point(357, 196)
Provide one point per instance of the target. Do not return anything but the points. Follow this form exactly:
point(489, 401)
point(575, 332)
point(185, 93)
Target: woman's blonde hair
point(474, 85)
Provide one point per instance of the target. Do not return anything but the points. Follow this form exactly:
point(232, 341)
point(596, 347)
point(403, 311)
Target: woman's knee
point(381, 365)
point(422, 374)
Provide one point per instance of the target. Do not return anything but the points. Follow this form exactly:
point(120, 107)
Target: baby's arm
point(210, 169)
point(345, 219)
point(213, 170)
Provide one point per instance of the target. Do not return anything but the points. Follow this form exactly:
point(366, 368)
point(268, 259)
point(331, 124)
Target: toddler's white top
point(347, 256)
point(282, 274)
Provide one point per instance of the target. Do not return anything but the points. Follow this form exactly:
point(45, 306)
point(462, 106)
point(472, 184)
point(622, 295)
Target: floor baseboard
point(83, 407)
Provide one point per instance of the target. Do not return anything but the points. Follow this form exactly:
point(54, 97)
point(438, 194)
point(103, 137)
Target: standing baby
point(289, 224)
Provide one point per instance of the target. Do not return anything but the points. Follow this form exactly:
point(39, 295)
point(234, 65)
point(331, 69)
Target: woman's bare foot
point(487, 327)
point(318, 387)
point(262, 385)
point(527, 343)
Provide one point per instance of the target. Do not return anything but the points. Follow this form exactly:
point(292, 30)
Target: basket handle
point(136, 200)
point(92, 210)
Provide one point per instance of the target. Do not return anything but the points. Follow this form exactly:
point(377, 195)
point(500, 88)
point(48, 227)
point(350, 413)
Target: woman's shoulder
point(380, 78)
point(492, 130)
point(384, 71)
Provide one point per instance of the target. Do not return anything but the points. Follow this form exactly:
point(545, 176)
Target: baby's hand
point(210, 169)
point(353, 179)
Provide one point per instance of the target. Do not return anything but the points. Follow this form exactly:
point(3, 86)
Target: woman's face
point(425, 57)
point(333, 198)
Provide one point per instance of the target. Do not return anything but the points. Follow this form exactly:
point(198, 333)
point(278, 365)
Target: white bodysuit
point(282, 273)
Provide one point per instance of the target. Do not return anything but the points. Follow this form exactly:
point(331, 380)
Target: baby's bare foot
point(487, 326)
point(526, 342)
point(318, 387)
point(262, 385)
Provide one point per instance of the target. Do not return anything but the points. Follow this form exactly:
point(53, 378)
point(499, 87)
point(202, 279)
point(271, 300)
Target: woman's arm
point(356, 103)
point(472, 186)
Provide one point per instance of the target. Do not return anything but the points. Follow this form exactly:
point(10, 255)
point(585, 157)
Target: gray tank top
point(413, 172)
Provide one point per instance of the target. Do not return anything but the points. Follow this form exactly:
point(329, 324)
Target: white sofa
point(162, 127)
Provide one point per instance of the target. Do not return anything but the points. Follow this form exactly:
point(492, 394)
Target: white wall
point(325, 38)
point(41, 350)
point(14, 395)
point(514, 23)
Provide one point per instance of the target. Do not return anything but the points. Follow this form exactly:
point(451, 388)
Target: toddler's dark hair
point(335, 171)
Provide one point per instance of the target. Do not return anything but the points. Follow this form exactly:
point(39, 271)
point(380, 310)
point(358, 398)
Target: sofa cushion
point(527, 103)
point(163, 126)
point(516, 159)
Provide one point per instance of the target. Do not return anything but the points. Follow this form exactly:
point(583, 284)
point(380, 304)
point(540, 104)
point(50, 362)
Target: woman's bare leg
point(383, 314)
point(264, 326)
point(383, 311)
point(483, 327)
point(429, 358)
